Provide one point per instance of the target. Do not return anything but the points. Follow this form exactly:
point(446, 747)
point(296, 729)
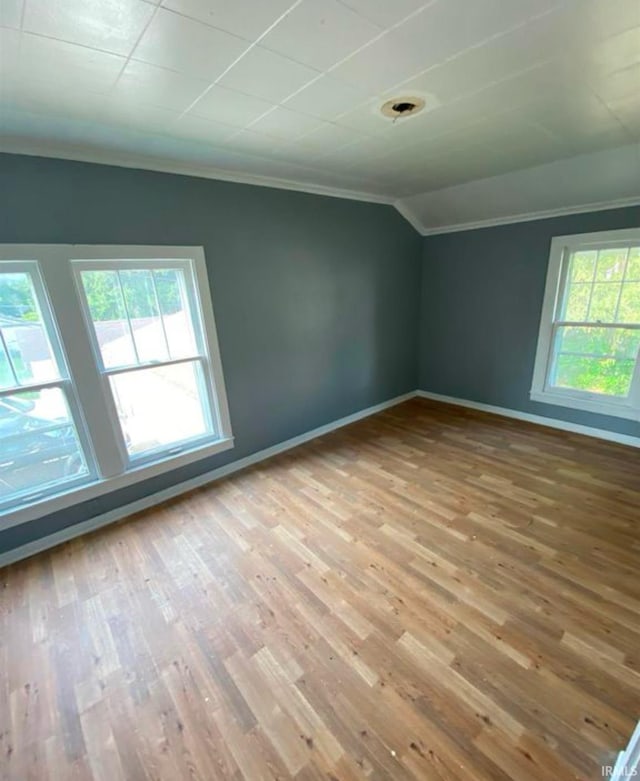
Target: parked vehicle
point(34, 450)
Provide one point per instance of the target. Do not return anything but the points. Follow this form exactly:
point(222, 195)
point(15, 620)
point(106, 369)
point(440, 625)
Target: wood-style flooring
point(431, 593)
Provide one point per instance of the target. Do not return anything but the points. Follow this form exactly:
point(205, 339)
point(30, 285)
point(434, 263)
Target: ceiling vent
point(405, 106)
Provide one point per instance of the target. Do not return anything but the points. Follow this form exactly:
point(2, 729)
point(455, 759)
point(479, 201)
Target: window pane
point(629, 309)
point(603, 302)
point(577, 304)
point(582, 266)
point(40, 447)
point(160, 406)
point(7, 377)
point(596, 375)
point(106, 306)
point(599, 360)
point(148, 306)
point(26, 352)
point(176, 314)
point(144, 314)
point(601, 342)
point(633, 264)
point(611, 263)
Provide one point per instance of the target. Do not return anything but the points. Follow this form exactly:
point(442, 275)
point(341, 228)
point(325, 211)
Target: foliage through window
point(590, 331)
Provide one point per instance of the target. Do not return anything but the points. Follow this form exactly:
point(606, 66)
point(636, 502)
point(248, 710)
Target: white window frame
point(562, 248)
point(64, 382)
point(58, 267)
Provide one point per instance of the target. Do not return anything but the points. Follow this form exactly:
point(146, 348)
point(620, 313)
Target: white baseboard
point(563, 425)
point(169, 493)
point(30, 548)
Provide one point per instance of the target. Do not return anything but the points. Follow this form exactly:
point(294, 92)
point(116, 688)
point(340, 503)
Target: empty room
point(319, 390)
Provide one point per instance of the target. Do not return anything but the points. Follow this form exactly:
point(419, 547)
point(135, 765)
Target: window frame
point(562, 247)
point(201, 355)
point(63, 382)
point(58, 266)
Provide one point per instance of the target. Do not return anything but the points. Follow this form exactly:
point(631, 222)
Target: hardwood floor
point(431, 593)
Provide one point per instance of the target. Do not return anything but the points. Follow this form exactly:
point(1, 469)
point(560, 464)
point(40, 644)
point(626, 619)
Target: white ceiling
point(291, 91)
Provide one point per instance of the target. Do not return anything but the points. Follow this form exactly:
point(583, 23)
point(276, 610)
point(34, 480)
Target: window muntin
point(603, 286)
point(178, 309)
point(589, 344)
point(140, 315)
point(41, 451)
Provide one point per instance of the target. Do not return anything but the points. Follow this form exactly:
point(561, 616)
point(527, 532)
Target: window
point(40, 447)
point(109, 371)
point(589, 342)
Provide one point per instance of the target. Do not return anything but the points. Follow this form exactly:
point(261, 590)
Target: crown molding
point(407, 212)
point(524, 217)
point(84, 154)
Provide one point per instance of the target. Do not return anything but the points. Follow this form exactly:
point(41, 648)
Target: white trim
point(84, 154)
point(407, 212)
point(549, 305)
point(69, 533)
point(563, 425)
point(100, 487)
point(98, 157)
point(552, 317)
point(31, 548)
point(595, 406)
point(599, 239)
point(509, 219)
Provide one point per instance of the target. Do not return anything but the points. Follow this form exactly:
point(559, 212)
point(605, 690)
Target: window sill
point(100, 487)
point(595, 406)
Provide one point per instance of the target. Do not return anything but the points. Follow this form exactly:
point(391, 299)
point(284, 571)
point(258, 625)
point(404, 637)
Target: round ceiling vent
point(405, 106)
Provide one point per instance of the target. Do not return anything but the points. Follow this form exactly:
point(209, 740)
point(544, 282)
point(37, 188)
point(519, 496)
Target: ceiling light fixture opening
point(402, 107)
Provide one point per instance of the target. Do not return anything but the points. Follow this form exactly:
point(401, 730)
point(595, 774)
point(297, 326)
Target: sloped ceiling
point(587, 182)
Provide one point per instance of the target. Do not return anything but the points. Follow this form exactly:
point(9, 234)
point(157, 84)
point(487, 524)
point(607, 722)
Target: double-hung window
point(109, 371)
point(41, 431)
point(589, 340)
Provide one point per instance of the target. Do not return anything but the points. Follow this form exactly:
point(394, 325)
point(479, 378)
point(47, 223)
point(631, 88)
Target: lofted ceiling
point(290, 92)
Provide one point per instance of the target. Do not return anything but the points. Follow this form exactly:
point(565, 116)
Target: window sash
point(134, 264)
point(62, 382)
point(563, 297)
point(77, 423)
point(32, 269)
point(607, 398)
point(206, 395)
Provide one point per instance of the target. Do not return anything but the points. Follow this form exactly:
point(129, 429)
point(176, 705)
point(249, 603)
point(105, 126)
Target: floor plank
point(431, 593)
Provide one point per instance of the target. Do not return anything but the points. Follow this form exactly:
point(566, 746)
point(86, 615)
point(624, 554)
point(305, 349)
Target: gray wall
point(482, 294)
point(316, 299)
